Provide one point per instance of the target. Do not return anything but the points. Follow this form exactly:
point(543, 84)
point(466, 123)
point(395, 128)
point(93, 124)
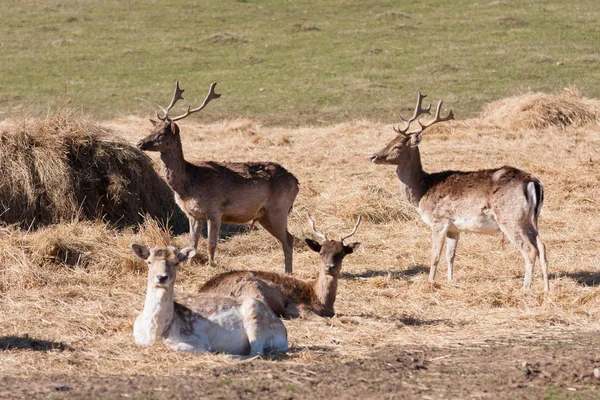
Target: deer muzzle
point(142, 145)
point(161, 279)
point(375, 159)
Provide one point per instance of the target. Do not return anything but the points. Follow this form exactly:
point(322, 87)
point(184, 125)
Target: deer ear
point(415, 139)
point(313, 244)
point(153, 122)
point(140, 251)
point(186, 254)
point(174, 128)
point(351, 247)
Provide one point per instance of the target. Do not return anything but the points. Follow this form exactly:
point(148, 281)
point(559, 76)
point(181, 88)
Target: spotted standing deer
point(487, 201)
point(287, 296)
point(218, 193)
point(201, 322)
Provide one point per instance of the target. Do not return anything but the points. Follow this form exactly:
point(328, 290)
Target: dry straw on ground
point(77, 284)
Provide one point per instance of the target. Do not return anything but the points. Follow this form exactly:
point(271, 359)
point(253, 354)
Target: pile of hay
point(66, 168)
point(540, 110)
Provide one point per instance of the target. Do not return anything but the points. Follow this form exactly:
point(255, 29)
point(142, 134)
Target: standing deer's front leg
point(195, 231)
point(438, 235)
point(213, 228)
point(451, 242)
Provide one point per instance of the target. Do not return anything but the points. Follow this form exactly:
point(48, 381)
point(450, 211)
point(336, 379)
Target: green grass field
point(291, 62)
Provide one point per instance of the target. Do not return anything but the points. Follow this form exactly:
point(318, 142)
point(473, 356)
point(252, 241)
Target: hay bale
point(66, 168)
point(539, 111)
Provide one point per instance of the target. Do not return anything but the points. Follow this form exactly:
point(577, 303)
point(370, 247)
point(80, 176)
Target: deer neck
point(412, 178)
point(175, 168)
point(158, 311)
point(326, 289)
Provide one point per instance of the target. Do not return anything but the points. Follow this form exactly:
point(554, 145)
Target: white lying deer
point(201, 322)
point(287, 296)
point(486, 201)
point(215, 192)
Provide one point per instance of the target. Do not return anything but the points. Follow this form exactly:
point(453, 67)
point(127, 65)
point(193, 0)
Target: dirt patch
point(525, 368)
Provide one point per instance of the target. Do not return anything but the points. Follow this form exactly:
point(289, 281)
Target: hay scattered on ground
point(373, 202)
point(540, 110)
point(49, 255)
point(66, 167)
point(79, 284)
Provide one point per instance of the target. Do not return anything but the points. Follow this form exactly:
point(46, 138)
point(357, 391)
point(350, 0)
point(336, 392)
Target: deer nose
point(140, 145)
point(162, 278)
point(373, 158)
point(330, 267)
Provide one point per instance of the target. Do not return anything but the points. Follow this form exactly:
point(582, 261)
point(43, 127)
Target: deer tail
point(535, 200)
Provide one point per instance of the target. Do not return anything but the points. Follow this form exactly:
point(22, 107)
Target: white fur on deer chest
point(143, 331)
point(155, 319)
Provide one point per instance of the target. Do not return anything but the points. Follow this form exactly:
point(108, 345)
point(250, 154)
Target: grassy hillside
point(295, 62)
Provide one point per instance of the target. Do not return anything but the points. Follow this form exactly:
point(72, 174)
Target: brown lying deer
point(290, 297)
point(201, 322)
point(505, 199)
point(218, 193)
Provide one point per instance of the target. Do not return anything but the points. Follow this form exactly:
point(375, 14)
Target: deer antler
point(312, 225)
point(418, 112)
point(210, 96)
point(354, 231)
point(176, 96)
point(437, 117)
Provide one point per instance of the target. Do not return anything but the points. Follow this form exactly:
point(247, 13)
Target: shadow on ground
point(412, 271)
point(27, 343)
point(401, 320)
point(583, 278)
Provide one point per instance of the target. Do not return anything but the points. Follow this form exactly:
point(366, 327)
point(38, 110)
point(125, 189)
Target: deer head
point(401, 149)
point(165, 135)
point(162, 263)
point(332, 252)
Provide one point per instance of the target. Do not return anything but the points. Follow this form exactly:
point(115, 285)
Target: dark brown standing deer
point(505, 199)
point(218, 193)
point(289, 297)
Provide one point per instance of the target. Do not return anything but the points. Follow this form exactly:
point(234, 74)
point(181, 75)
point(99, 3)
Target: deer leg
point(451, 242)
point(438, 235)
point(530, 252)
point(195, 231)
point(295, 310)
point(213, 227)
point(524, 239)
point(276, 224)
point(256, 339)
point(542, 249)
